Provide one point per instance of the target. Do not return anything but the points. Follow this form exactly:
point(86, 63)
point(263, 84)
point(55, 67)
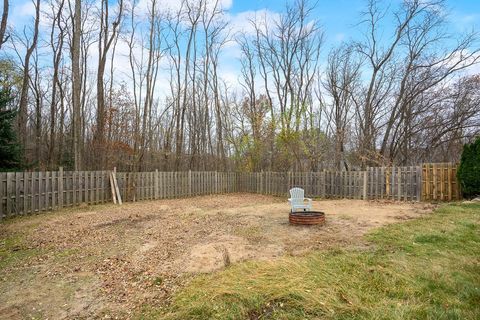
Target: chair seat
point(302, 206)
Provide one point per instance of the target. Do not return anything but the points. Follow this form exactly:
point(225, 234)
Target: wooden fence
point(440, 182)
point(395, 183)
point(29, 192)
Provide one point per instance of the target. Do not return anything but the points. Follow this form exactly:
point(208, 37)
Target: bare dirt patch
point(110, 260)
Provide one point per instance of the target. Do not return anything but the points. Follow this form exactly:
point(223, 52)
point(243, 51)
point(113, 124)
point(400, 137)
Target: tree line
point(401, 92)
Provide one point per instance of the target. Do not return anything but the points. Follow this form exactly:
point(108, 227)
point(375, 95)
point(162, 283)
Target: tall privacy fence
point(28, 192)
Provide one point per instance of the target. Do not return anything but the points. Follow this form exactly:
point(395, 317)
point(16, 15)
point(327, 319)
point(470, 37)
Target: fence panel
point(440, 182)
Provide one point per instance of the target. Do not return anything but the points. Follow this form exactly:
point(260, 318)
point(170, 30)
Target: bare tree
point(382, 74)
point(155, 52)
point(3, 24)
point(23, 104)
point(403, 69)
point(289, 53)
point(397, 96)
point(38, 96)
point(341, 79)
point(56, 43)
point(105, 40)
point(76, 84)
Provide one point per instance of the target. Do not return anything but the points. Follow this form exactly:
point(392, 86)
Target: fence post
point(322, 184)
point(3, 177)
point(425, 182)
point(60, 187)
point(387, 181)
point(156, 184)
point(399, 181)
point(260, 182)
point(17, 192)
point(9, 196)
point(449, 181)
point(190, 183)
point(25, 186)
point(365, 177)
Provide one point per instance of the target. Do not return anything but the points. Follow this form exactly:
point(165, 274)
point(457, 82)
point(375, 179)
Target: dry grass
point(421, 269)
point(114, 260)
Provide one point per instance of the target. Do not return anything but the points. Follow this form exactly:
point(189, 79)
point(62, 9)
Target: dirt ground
point(108, 261)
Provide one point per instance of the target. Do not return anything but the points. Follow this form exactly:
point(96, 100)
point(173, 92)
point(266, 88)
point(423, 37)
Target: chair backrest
point(297, 195)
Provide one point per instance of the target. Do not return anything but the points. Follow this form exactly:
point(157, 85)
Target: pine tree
point(469, 169)
point(9, 146)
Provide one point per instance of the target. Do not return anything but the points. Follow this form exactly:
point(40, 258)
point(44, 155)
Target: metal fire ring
point(307, 217)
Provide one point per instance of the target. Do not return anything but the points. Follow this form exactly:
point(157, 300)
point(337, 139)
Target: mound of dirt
point(219, 252)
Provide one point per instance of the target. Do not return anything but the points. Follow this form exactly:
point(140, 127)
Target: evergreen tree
point(9, 147)
point(469, 170)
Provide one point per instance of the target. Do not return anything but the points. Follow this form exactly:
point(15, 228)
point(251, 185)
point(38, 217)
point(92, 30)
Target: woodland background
point(88, 94)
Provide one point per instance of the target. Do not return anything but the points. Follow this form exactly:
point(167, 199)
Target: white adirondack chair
point(298, 201)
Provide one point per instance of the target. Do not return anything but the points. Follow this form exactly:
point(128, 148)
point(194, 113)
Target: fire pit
point(307, 217)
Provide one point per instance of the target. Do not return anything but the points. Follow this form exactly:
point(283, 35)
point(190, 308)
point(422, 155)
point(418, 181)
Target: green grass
point(14, 249)
point(426, 268)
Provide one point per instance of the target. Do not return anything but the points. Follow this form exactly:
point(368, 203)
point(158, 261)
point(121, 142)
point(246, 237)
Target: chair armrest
point(309, 202)
point(289, 200)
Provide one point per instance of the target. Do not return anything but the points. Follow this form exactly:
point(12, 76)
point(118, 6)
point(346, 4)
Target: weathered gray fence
point(28, 192)
point(395, 183)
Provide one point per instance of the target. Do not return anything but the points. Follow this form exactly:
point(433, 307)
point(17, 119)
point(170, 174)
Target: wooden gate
point(440, 182)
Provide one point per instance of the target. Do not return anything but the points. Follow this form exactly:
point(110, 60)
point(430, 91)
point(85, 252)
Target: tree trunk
point(3, 24)
point(76, 84)
point(22, 105)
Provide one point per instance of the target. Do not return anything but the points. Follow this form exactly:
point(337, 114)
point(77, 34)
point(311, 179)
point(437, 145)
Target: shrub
point(9, 147)
point(469, 170)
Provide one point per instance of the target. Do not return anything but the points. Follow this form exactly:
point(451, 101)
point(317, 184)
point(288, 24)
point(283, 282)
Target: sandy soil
point(110, 260)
